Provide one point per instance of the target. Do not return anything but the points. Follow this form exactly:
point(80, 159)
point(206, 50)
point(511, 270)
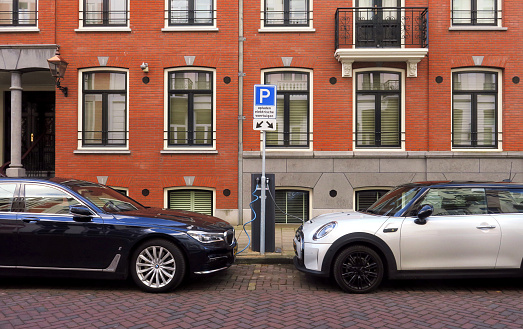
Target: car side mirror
point(81, 213)
point(424, 212)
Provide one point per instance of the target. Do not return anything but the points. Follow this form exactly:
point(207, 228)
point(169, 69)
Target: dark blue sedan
point(68, 227)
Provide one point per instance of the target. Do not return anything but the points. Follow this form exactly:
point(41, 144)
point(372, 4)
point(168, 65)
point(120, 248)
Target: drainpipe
point(241, 39)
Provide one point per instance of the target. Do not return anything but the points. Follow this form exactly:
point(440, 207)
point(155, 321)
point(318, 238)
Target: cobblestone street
point(260, 296)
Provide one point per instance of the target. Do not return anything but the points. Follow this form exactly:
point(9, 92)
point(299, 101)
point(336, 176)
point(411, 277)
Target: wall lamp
point(58, 66)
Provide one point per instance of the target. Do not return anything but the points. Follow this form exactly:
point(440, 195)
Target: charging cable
point(254, 217)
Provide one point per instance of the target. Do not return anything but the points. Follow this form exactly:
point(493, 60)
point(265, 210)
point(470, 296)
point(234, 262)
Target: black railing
point(280, 139)
point(473, 140)
point(18, 18)
point(105, 17)
point(190, 138)
point(104, 137)
point(286, 18)
point(476, 17)
point(190, 17)
point(382, 27)
point(39, 159)
point(377, 139)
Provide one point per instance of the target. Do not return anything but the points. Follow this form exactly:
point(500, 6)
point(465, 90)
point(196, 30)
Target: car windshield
point(394, 201)
point(103, 196)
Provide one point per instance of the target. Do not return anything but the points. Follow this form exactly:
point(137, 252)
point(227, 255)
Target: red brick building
point(371, 93)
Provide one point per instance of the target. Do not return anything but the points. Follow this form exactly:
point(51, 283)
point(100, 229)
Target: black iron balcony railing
point(476, 17)
point(104, 137)
point(190, 17)
point(105, 17)
point(201, 137)
point(382, 27)
point(18, 17)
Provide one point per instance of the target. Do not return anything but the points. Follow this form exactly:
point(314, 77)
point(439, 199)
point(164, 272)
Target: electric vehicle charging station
point(270, 213)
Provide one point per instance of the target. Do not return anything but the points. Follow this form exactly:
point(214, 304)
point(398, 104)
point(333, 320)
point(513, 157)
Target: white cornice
point(412, 56)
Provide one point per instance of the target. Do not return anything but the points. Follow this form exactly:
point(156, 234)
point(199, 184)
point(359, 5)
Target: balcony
point(386, 34)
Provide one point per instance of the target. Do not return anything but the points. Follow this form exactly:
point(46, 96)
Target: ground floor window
point(365, 198)
point(200, 201)
point(292, 206)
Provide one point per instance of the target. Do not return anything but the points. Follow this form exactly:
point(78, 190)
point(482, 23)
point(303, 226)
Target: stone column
point(15, 168)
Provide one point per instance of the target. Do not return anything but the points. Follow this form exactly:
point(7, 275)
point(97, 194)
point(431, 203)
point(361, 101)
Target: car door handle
point(489, 227)
point(31, 220)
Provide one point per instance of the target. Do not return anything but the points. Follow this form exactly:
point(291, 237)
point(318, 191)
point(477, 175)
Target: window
point(18, 12)
point(508, 200)
point(286, 13)
point(191, 12)
point(200, 201)
point(365, 198)
point(6, 197)
point(45, 199)
point(190, 108)
point(474, 109)
point(104, 117)
point(292, 106)
point(474, 12)
point(456, 201)
point(378, 109)
point(105, 13)
point(292, 206)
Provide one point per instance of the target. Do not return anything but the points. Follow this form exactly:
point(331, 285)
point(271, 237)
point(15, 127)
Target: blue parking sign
point(264, 102)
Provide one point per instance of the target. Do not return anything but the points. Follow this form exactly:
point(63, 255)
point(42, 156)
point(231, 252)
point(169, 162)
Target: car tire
point(358, 269)
point(158, 266)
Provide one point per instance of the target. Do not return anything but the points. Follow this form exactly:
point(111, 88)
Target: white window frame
point(294, 188)
point(18, 29)
point(211, 28)
point(499, 104)
point(82, 28)
point(264, 28)
point(101, 149)
point(178, 188)
point(311, 111)
point(402, 109)
point(187, 149)
point(497, 27)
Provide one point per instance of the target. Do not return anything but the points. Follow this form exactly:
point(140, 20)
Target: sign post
point(264, 118)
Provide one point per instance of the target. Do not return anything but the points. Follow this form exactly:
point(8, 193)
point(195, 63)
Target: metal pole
point(241, 39)
point(263, 187)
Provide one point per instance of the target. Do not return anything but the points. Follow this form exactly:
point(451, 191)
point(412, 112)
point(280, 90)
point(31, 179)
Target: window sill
point(476, 150)
point(477, 28)
point(18, 29)
point(102, 151)
point(190, 29)
point(103, 29)
point(189, 151)
point(286, 29)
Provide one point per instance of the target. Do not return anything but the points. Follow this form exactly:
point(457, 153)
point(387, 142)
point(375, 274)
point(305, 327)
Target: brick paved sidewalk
point(284, 251)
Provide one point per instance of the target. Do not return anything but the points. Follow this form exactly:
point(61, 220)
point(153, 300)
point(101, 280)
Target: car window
point(6, 196)
point(394, 201)
point(47, 199)
point(505, 201)
point(456, 201)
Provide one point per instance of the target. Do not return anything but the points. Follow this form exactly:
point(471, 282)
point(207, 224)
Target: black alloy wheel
point(358, 269)
point(158, 266)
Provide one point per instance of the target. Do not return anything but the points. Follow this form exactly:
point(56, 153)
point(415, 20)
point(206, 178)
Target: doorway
point(378, 23)
point(38, 132)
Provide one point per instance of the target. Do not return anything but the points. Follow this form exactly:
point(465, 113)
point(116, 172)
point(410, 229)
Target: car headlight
point(207, 237)
point(324, 230)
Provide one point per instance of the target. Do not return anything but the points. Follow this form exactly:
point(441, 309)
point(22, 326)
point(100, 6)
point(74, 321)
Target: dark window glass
point(105, 13)
point(474, 110)
point(49, 200)
point(18, 12)
point(190, 108)
point(505, 201)
point(104, 109)
point(292, 109)
point(6, 196)
point(474, 12)
point(366, 198)
point(190, 12)
point(378, 109)
point(286, 12)
point(292, 206)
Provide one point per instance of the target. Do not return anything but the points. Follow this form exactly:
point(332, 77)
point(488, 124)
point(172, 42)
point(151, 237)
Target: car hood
point(170, 217)
point(344, 216)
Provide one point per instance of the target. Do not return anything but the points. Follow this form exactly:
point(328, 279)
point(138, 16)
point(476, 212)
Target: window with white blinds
point(292, 117)
point(474, 110)
point(378, 109)
point(292, 206)
point(365, 198)
point(200, 201)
